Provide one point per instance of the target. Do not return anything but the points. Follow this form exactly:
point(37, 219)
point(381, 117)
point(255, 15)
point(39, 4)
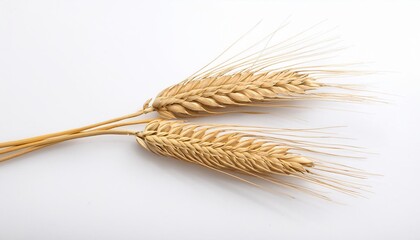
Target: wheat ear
point(262, 77)
point(238, 152)
point(231, 150)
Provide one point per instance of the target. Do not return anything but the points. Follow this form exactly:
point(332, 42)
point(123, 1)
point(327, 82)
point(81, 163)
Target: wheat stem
point(29, 147)
point(55, 140)
point(22, 152)
point(71, 131)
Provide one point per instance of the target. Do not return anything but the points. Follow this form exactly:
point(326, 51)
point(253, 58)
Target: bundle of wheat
point(262, 78)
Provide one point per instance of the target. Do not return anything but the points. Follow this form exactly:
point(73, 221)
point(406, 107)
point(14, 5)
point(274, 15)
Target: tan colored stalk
point(30, 146)
point(210, 95)
point(232, 150)
point(33, 146)
point(75, 130)
point(251, 78)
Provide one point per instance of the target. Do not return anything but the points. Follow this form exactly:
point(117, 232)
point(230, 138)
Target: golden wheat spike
point(213, 94)
point(242, 152)
point(231, 151)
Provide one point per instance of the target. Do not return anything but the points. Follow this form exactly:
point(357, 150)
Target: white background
point(64, 64)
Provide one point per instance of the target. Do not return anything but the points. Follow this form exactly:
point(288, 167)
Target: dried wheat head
point(263, 77)
point(213, 94)
point(237, 152)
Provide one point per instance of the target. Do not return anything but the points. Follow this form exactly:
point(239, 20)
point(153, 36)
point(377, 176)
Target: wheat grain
point(224, 150)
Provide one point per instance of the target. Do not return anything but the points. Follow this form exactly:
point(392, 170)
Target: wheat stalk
point(260, 78)
point(267, 77)
point(239, 151)
point(232, 150)
point(229, 149)
point(276, 73)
